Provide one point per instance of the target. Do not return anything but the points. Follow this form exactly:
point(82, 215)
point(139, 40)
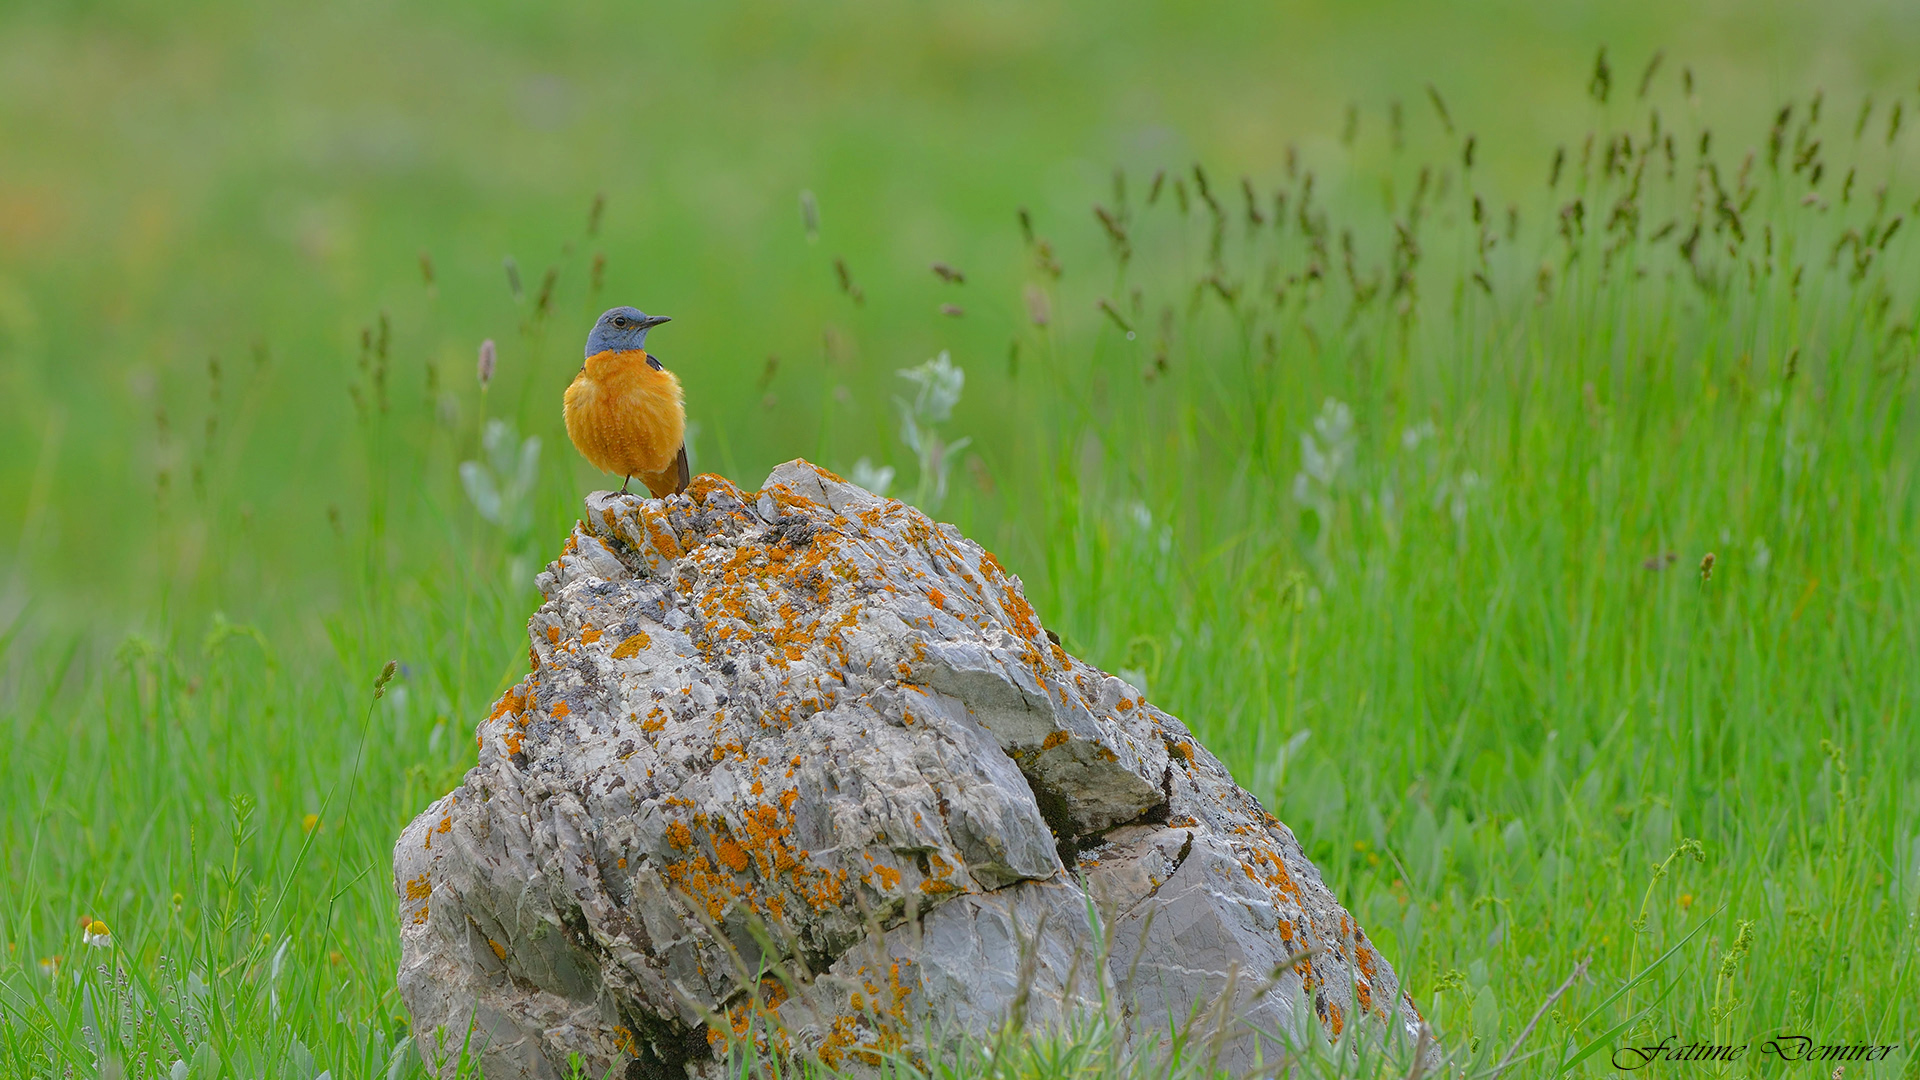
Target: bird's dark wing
point(686, 473)
point(654, 362)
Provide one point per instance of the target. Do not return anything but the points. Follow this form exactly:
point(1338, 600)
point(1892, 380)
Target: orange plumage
point(627, 416)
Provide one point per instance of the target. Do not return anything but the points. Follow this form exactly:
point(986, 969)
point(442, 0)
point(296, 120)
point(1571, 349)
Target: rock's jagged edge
point(813, 717)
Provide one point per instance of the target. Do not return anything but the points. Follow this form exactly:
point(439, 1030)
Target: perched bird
point(625, 412)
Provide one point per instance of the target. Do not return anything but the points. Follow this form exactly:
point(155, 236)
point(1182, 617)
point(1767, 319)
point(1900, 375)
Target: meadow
point(1516, 491)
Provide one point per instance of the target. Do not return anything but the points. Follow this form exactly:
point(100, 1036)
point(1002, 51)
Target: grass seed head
point(1039, 312)
point(544, 305)
point(810, 215)
point(1646, 77)
point(1440, 107)
point(484, 367)
point(845, 278)
point(1892, 227)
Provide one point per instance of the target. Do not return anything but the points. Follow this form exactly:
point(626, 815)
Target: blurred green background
point(1450, 627)
point(197, 180)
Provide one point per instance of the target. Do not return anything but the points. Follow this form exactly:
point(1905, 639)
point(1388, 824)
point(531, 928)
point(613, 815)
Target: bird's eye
point(620, 321)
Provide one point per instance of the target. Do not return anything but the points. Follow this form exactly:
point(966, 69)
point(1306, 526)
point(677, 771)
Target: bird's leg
point(623, 485)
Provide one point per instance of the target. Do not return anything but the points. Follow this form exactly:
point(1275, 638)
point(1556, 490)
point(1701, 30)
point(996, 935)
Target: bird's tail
point(671, 480)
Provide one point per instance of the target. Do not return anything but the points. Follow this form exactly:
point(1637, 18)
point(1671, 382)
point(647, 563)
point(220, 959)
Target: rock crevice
point(802, 766)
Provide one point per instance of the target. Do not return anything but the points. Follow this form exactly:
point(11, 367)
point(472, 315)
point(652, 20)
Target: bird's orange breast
point(626, 416)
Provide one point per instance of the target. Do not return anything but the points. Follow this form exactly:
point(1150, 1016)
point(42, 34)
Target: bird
point(625, 411)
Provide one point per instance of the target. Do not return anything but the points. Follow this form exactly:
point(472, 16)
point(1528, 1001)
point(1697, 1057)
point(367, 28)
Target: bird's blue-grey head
point(622, 328)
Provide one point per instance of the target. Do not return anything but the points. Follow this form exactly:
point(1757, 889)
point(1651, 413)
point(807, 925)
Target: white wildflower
point(875, 478)
point(940, 384)
point(500, 486)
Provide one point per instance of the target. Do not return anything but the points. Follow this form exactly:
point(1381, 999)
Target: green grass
point(1443, 658)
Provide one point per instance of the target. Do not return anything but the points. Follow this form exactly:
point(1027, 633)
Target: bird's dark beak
point(653, 320)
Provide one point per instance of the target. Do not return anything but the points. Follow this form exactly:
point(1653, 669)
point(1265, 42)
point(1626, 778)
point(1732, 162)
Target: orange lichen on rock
point(1025, 623)
point(1273, 872)
point(807, 625)
point(700, 879)
point(879, 1011)
point(662, 538)
point(513, 701)
point(758, 1011)
point(1368, 962)
point(731, 853)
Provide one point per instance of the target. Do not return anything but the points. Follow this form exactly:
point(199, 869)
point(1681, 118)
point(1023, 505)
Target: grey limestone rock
point(801, 767)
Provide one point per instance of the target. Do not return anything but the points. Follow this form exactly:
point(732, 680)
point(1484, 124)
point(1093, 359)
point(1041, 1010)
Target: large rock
point(802, 767)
